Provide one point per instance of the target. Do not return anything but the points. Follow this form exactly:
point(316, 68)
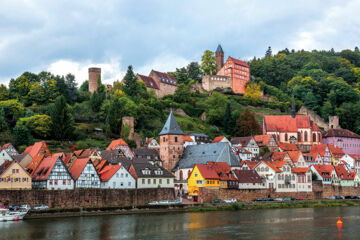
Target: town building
point(346, 178)
point(348, 141)
point(52, 174)
point(312, 159)
point(123, 146)
point(243, 154)
point(38, 149)
point(116, 177)
point(324, 173)
point(23, 159)
point(295, 129)
point(84, 173)
point(266, 141)
point(160, 83)
point(151, 155)
point(151, 176)
point(248, 143)
point(233, 74)
point(249, 179)
point(151, 143)
point(268, 173)
point(188, 141)
point(35, 162)
point(171, 143)
point(297, 158)
point(226, 176)
point(304, 179)
point(5, 156)
point(221, 139)
point(199, 138)
point(10, 149)
point(13, 176)
point(324, 152)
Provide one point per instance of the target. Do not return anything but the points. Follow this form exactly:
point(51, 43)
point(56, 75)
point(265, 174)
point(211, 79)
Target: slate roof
point(19, 157)
point(203, 153)
point(247, 176)
point(113, 157)
point(144, 152)
point(139, 166)
point(171, 126)
point(219, 49)
point(340, 133)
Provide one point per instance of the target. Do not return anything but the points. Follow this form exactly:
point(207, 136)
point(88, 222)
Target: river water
point(300, 223)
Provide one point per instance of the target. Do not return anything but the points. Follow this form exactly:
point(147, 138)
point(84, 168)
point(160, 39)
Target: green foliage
point(4, 93)
point(228, 121)
point(62, 119)
point(84, 86)
point(39, 125)
point(21, 135)
point(13, 109)
point(208, 63)
point(97, 98)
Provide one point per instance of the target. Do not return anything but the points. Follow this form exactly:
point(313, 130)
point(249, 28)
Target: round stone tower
point(94, 74)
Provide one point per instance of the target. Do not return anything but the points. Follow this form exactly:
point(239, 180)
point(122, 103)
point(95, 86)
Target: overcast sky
point(70, 36)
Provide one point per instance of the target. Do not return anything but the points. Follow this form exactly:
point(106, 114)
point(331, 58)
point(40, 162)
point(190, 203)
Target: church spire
point(171, 126)
point(293, 110)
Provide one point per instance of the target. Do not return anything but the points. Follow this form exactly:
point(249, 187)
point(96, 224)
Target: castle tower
point(94, 74)
point(334, 122)
point(219, 54)
point(171, 143)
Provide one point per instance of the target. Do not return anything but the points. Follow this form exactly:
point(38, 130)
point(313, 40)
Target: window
point(117, 174)
point(154, 181)
point(56, 182)
point(69, 182)
point(122, 175)
point(176, 139)
point(160, 181)
point(64, 182)
point(314, 137)
point(126, 175)
point(50, 182)
point(114, 184)
point(129, 184)
point(168, 181)
point(286, 137)
point(143, 181)
point(149, 181)
point(306, 136)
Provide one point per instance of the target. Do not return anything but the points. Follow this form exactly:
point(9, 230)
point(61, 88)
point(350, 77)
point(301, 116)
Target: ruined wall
point(314, 117)
point(320, 191)
point(85, 197)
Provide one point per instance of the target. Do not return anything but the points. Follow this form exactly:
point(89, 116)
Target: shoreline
point(204, 207)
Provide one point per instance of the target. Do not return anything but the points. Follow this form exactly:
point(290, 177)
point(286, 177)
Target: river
point(300, 223)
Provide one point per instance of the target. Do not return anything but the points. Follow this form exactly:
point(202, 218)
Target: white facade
point(252, 186)
point(189, 143)
point(152, 182)
point(304, 182)
point(267, 174)
point(122, 179)
point(88, 177)
point(324, 179)
point(153, 144)
point(350, 162)
point(4, 155)
point(286, 180)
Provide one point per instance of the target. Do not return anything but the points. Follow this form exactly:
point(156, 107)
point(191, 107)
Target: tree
point(4, 93)
point(98, 97)
point(39, 125)
point(194, 72)
point(311, 101)
point(182, 93)
point(62, 119)
point(84, 86)
point(130, 86)
point(227, 123)
point(208, 63)
point(246, 125)
point(356, 49)
point(268, 52)
point(13, 109)
point(71, 88)
point(253, 92)
point(181, 75)
point(21, 135)
point(3, 124)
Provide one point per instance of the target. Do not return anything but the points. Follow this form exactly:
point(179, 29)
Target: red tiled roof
point(314, 127)
point(313, 155)
point(67, 158)
point(355, 157)
point(217, 139)
point(163, 75)
point(294, 155)
point(319, 148)
point(278, 164)
point(34, 149)
point(187, 139)
point(149, 81)
point(207, 171)
point(243, 150)
point(287, 146)
point(78, 167)
point(340, 133)
point(279, 156)
point(247, 176)
point(5, 145)
point(342, 173)
point(300, 170)
point(99, 164)
point(336, 151)
point(321, 169)
point(43, 170)
point(223, 170)
point(108, 171)
point(250, 164)
point(286, 123)
point(239, 62)
point(272, 166)
point(262, 140)
point(115, 143)
point(31, 167)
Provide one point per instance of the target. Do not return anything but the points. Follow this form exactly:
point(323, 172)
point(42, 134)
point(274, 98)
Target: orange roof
point(78, 167)
point(243, 150)
point(31, 167)
point(5, 145)
point(43, 170)
point(314, 127)
point(322, 169)
point(286, 123)
point(342, 173)
point(336, 151)
point(278, 164)
point(279, 156)
point(262, 140)
point(223, 170)
point(294, 155)
point(108, 171)
point(319, 148)
point(250, 164)
point(207, 171)
point(217, 139)
point(300, 170)
point(272, 166)
point(34, 149)
point(99, 166)
point(239, 62)
point(187, 139)
point(287, 146)
point(115, 143)
point(67, 158)
point(356, 157)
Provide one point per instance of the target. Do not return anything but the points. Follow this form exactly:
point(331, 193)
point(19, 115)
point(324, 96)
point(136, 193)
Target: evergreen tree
point(194, 72)
point(71, 87)
point(130, 83)
point(182, 76)
point(356, 49)
point(311, 101)
point(268, 52)
point(98, 97)
point(246, 125)
point(62, 119)
point(227, 122)
point(84, 86)
point(3, 124)
point(21, 135)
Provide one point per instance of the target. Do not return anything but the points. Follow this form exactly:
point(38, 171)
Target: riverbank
point(206, 207)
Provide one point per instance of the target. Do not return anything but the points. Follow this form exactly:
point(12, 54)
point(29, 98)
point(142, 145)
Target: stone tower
point(171, 143)
point(334, 122)
point(219, 54)
point(94, 74)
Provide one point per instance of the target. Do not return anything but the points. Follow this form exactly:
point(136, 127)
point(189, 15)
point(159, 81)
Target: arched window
point(299, 137)
point(314, 137)
point(181, 175)
point(319, 137)
point(286, 137)
point(305, 137)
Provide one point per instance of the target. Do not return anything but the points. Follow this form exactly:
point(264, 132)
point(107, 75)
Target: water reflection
point(318, 223)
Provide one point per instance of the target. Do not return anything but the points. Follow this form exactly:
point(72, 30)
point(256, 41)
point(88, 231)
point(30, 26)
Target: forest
point(54, 108)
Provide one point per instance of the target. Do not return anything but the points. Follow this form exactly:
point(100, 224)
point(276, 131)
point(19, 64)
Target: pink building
point(343, 138)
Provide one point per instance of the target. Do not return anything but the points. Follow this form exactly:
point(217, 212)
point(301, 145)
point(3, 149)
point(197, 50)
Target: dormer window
point(146, 171)
point(158, 172)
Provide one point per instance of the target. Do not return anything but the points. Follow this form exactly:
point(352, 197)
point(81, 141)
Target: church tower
point(219, 54)
point(171, 143)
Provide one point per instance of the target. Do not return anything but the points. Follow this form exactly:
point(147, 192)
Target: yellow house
point(13, 176)
point(202, 175)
